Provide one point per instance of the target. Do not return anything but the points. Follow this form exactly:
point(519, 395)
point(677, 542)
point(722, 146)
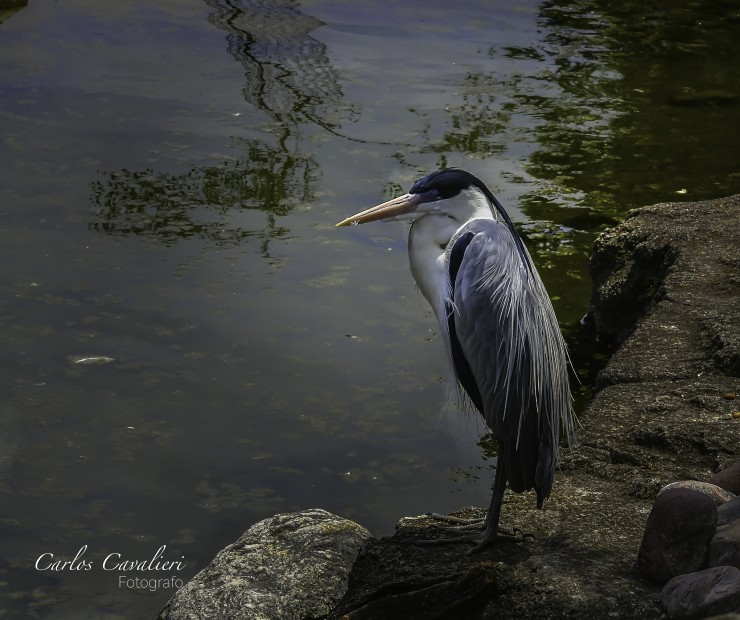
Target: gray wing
point(507, 332)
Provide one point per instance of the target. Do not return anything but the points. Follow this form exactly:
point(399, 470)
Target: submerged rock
point(703, 594)
point(289, 567)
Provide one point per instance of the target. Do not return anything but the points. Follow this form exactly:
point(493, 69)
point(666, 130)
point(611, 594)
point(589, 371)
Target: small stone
point(677, 534)
point(728, 512)
point(701, 594)
point(728, 478)
point(724, 548)
point(716, 492)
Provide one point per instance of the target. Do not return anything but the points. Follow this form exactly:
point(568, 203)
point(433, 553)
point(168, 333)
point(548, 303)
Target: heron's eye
point(431, 195)
point(442, 246)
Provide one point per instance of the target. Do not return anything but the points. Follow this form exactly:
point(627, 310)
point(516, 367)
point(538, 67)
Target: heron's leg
point(497, 499)
point(490, 523)
point(491, 534)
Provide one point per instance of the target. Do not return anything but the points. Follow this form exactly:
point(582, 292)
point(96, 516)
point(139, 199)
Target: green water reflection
point(168, 207)
point(649, 102)
point(171, 172)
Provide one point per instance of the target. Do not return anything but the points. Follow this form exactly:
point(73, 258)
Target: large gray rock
point(666, 287)
point(288, 567)
point(676, 253)
point(702, 594)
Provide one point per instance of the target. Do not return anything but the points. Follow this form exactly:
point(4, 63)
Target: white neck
point(428, 242)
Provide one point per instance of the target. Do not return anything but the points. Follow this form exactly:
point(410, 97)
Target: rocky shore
point(666, 409)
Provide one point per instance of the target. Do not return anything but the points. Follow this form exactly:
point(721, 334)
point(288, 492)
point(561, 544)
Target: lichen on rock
point(288, 567)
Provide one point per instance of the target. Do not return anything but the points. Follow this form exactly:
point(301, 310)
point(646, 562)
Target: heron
point(502, 337)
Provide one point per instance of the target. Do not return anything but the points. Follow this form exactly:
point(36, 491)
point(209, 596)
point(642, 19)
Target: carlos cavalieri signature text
point(151, 567)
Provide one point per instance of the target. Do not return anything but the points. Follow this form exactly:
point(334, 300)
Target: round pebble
point(716, 492)
point(677, 534)
point(702, 594)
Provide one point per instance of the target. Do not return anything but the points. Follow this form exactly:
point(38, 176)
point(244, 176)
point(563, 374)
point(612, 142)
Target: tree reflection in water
point(288, 78)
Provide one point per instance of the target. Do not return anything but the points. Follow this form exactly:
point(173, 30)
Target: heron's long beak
point(393, 208)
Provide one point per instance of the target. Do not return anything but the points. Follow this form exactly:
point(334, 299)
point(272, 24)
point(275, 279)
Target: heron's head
point(451, 193)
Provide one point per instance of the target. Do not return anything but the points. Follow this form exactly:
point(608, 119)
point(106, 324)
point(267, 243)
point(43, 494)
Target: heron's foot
point(482, 540)
point(460, 523)
point(487, 539)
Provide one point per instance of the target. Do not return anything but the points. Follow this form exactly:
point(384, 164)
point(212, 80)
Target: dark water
point(189, 345)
